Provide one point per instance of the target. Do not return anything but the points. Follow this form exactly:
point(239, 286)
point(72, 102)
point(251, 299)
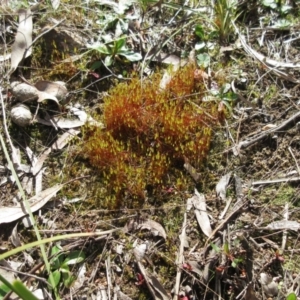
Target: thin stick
point(260, 182)
point(179, 259)
point(290, 149)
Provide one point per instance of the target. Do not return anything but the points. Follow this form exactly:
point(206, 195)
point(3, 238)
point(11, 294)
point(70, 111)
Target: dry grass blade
point(180, 257)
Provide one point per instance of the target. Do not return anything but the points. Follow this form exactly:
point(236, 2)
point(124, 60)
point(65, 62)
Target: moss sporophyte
point(149, 132)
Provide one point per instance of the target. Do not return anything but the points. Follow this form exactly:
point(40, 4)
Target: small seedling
point(114, 49)
point(60, 263)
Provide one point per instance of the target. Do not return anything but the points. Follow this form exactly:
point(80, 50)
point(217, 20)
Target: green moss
point(279, 195)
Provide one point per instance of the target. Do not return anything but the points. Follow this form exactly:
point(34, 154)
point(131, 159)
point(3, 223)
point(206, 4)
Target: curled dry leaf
point(14, 238)
point(269, 286)
point(198, 201)
point(21, 114)
point(140, 224)
point(21, 48)
point(54, 90)
point(193, 266)
point(222, 186)
point(24, 92)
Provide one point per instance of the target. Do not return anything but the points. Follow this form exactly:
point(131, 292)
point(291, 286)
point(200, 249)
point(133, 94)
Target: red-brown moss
point(149, 132)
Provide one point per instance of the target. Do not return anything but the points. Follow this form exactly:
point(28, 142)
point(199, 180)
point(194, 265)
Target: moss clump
point(149, 134)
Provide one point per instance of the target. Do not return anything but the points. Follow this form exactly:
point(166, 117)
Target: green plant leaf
point(215, 247)
point(57, 261)
point(20, 289)
point(270, 3)
point(236, 261)
point(282, 23)
point(130, 55)
point(74, 257)
point(108, 60)
point(227, 106)
point(199, 31)
point(17, 287)
point(285, 9)
point(104, 49)
point(225, 88)
point(56, 275)
point(4, 289)
point(226, 248)
point(119, 44)
point(291, 296)
point(96, 65)
point(203, 60)
point(55, 249)
point(68, 279)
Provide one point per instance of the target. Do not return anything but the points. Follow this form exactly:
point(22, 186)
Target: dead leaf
point(7, 271)
point(154, 286)
point(140, 224)
point(10, 214)
point(140, 251)
point(222, 186)
point(21, 48)
point(195, 267)
point(80, 278)
point(269, 126)
point(45, 96)
point(166, 79)
point(284, 224)
point(198, 201)
point(210, 261)
point(60, 122)
point(191, 170)
point(54, 89)
point(14, 238)
point(55, 4)
point(270, 287)
point(166, 58)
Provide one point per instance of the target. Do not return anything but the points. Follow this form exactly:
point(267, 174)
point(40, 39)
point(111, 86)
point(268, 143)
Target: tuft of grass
point(225, 13)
